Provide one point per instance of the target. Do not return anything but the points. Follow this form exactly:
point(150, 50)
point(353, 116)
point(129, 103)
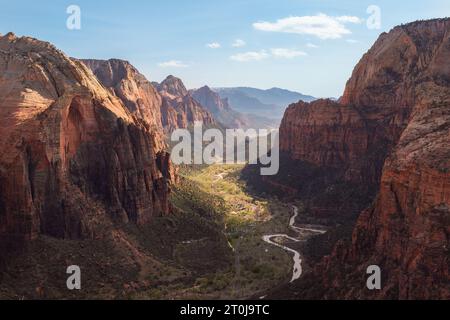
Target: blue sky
point(284, 43)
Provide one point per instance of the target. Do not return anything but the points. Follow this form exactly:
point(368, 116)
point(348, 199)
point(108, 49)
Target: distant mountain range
point(267, 103)
point(227, 115)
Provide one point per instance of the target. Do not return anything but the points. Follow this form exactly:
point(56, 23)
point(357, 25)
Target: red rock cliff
point(394, 112)
point(71, 151)
point(179, 109)
point(220, 108)
point(406, 231)
point(136, 92)
point(358, 132)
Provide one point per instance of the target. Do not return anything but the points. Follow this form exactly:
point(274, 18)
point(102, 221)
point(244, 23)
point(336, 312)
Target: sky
point(310, 46)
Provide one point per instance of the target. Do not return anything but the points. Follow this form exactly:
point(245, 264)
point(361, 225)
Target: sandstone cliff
point(136, 92)
point(211, 100)
point(179, 109)
point(393, 123)
point(353, 137)
point(220, 108)
point(165, 107)
point(72, 153)
point(406, 231)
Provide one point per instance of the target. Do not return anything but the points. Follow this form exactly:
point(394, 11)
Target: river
point(297, 268)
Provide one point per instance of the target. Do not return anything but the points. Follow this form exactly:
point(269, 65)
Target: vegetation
point(210, 248)
point(256, 266)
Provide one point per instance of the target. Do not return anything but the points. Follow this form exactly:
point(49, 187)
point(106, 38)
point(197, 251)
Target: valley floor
point(223, 242)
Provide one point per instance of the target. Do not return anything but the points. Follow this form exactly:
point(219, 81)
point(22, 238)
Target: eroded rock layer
point(71, 151)
point(179, 109)
point(392, 124)
point(125, 81)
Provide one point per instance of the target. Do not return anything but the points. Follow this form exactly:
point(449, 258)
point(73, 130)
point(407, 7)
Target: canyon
point(166, 106)
point(390, 133)
point(85, 175)
point(169, 104)
point(179, 109)
point(73, 155)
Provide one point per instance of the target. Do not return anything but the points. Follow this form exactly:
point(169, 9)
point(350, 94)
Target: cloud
point(349, 19)
point(213, 45)
point(250, 56)
point(172, 64)
point(263, 54)
point(238, 43)
point(287, 53)
point(321, 25)
point(311, 45)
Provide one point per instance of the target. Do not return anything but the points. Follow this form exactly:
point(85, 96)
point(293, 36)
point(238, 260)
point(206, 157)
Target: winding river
point(297, 269)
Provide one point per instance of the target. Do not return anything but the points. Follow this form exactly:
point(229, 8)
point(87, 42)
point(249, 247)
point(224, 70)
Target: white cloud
point(321, 25)
point(287, 53)
point(349, 19)
point(213, 45)
point(263, 54)
point(250, 56)
point(172, 64)
point(238, 43)
point(311, 45)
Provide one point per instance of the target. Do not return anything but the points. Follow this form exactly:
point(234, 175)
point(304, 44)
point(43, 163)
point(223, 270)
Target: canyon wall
point(406, 231)
point(220, 108)
point(391, 125)
point(135, 91)
point(166, 106)
point(358, 132)
point(72, 154)
point(179, 109)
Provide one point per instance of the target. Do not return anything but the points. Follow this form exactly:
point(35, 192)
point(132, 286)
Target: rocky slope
point(219, 108)
point(165, 106)
point(179, 109)
point(354, 136)
point(210, 99)
point(393, 123)
point(72, 153)
point(135, 91)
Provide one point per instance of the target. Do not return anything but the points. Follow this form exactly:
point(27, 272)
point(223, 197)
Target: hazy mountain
point(269, 103)
point(226, 115)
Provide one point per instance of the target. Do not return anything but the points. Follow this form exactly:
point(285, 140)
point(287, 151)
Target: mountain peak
point(173, 85)
point(57, 111)
point(10, 36)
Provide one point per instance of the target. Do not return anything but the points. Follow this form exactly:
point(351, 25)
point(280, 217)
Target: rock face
point(172, 86)
point(328, 134)
point(210, 100)
point(179, 109)
point(406, 231)
point(72, 153)
point(166, 106)
point(355, 135)
point(393, 123)
point(136, 92)
point(220, 108)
